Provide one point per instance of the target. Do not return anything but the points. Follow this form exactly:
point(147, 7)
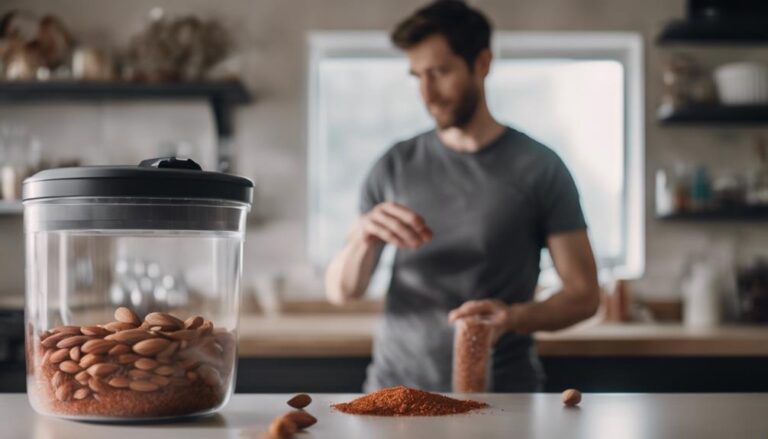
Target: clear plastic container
point(133, 283)
point(472, 355)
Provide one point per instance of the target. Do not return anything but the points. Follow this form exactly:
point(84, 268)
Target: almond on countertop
point(300, 401)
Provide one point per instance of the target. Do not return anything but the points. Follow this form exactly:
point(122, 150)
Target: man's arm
point(349, 273)
point(578, 299)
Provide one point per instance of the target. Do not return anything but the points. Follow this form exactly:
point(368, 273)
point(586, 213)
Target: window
point(578, 93)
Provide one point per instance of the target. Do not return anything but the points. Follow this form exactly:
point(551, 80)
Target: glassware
point(169, 237)
point(472, 355)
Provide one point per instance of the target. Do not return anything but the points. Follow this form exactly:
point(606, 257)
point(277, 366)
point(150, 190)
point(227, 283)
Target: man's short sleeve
point(374, 190)
point(560, 199)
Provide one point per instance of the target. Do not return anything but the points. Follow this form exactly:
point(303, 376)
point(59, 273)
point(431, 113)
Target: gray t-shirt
point(490, 212)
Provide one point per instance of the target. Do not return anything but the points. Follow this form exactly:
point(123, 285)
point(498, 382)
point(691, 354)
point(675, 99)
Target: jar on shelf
point(96, 355)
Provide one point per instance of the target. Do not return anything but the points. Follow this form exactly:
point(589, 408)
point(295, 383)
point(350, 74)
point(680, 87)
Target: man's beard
point(460, 115)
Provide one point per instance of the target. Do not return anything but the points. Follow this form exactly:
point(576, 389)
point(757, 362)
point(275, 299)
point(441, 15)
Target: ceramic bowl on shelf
point(742, 83)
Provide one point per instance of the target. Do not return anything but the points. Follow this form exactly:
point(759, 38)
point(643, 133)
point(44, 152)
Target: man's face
point(450, 91)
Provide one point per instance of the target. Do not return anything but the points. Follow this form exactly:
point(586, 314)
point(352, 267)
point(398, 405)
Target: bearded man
point(469, 206)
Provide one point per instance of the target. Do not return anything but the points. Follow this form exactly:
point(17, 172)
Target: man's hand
point(392, 223)
point(499, 314)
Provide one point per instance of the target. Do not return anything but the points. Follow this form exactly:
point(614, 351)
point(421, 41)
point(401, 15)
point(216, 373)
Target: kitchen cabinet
point(510, 415)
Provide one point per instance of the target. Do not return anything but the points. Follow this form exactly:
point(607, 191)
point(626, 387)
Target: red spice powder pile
point(404, 401)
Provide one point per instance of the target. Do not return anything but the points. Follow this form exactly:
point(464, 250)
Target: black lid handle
point(170, 162)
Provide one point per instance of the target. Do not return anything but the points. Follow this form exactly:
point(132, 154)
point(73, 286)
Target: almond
point(83, 377)
point(145, 364)
point(170, 350)
point(57, 378)
point(181, 334)
point(54, 339)
point(143, 386)
point(125, 315)
point(64, 392)
point(97, 385)
point(119, 349)
point(71, 330)
point(164, 320)
point(98, 346)
point(282, 428)
point(73, 340)
point(300, 401)
point(571, 397)
point(129, 336)
point(70, 367)
point(193, 322)
point(165, 370)
point(102, 369)
point(82, 393)
point(59, 355)
point(119, 326)
point(209, 375)
point(206, 328)
point(301, 418)
point(97, 331)
point(151, 347)
point(138, 374)
point(119, 382)
point(46, 357)
point(160, 380)
point(75, 353)
point(90, 359)
point(127, 358)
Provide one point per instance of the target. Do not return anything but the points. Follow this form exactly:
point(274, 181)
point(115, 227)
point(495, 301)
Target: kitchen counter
point(350, 335)
point(630, 416)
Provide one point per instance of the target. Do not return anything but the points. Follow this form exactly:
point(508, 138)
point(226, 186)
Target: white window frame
point(624, 47)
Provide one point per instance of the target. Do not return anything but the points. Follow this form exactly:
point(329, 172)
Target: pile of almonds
point(161, 352)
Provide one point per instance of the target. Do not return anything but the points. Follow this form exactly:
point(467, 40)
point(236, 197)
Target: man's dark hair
point(467, 30)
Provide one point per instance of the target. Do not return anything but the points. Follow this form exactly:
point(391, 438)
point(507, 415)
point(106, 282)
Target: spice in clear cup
point(472, 353)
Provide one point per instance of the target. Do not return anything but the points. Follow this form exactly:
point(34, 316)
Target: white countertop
point(610, 416)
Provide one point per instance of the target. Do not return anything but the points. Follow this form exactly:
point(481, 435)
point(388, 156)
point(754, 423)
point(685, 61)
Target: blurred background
point(659, 109)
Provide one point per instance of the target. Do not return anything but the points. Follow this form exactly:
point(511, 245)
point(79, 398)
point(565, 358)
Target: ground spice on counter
point(404, 401)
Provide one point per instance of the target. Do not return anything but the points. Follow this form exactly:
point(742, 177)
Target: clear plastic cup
point(472, 355)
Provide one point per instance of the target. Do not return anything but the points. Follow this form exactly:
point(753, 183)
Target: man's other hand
point(394, 224)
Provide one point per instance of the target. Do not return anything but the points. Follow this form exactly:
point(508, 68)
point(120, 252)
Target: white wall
point(270, 134)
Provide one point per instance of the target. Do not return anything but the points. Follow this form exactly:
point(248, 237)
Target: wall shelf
point(222, 96)
point(724, 32)
point(717, 114)
point(735, 214)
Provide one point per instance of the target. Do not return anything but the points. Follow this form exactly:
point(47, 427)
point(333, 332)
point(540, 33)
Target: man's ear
point(483, 62)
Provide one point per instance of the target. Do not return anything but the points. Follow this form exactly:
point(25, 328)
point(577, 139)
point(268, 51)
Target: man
point(469, 207)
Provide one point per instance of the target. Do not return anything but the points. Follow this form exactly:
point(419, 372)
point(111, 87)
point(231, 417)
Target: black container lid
point(167, 177)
